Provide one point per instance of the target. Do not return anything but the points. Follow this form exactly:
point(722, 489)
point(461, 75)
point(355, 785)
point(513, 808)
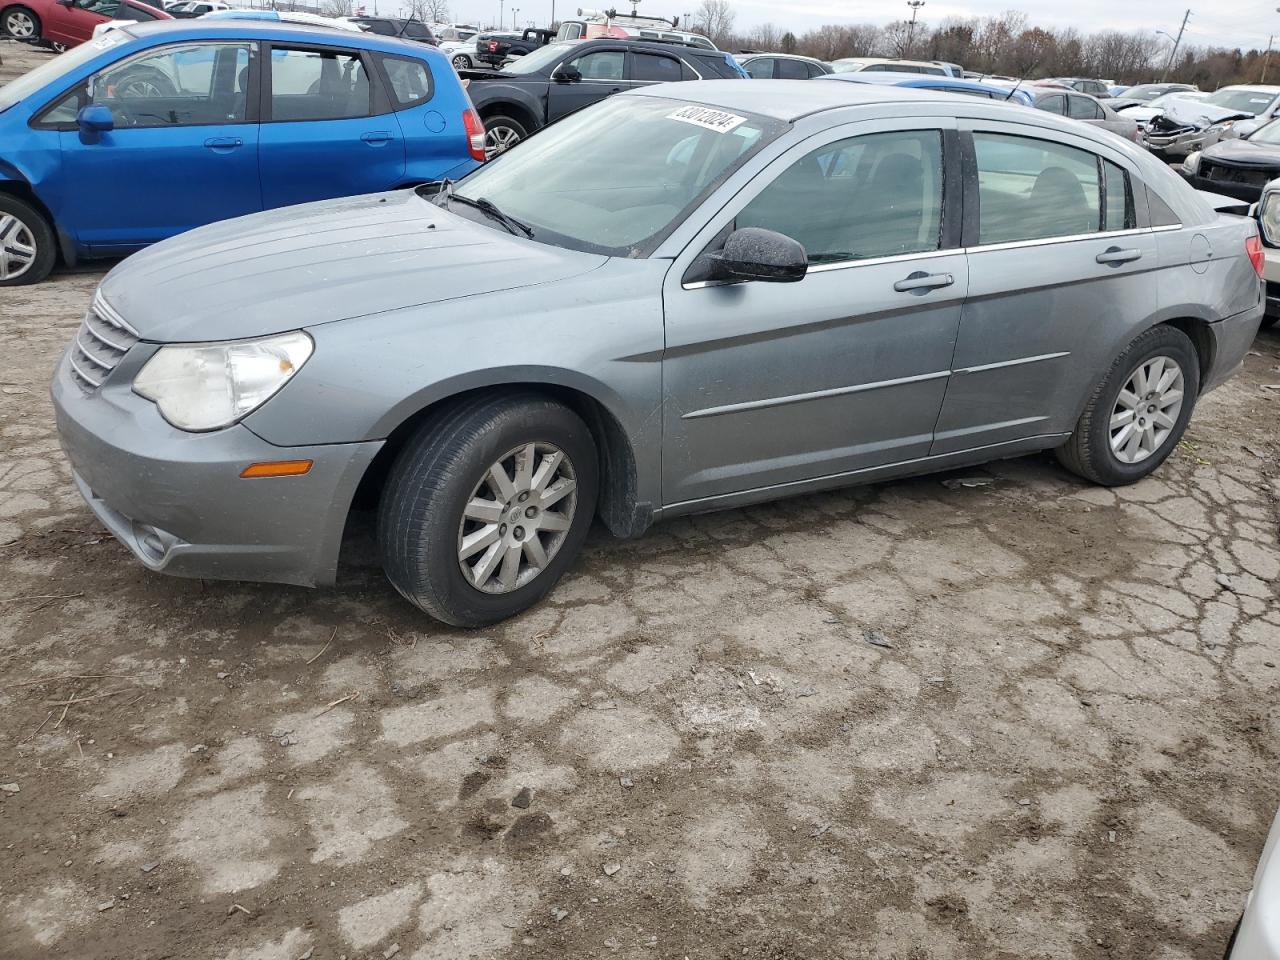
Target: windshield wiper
point(489, 208)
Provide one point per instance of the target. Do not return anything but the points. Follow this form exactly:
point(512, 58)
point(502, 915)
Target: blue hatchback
point(154, 129)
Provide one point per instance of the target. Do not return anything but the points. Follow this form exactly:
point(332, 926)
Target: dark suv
point(554, 81)
point(396, 27)
point(495, 49)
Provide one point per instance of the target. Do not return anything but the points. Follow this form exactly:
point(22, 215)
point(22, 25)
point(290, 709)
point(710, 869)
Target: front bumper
point(1258, 937)
point(177, 501)
point(1271, 274)
point(1247, 192)
point(1179, 146)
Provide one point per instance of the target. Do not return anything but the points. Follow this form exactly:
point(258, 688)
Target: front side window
point(410, 80)
point(651, 68)
point(136, 14)
point(184, 85)
point(1036, 189)
point(602, 65)
point(103, 8)
point(318, 85)
point(1055, 104)
point(616, 179)
point(1081, 108)
point(878, 195)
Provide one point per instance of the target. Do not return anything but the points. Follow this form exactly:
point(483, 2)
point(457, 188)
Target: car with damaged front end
point(645, 312)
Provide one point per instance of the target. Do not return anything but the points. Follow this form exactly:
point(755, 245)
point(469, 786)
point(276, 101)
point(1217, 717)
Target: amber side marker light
point(276, 468)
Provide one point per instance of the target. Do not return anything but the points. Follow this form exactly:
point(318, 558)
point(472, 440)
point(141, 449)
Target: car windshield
point(1269, 134)
point(1242, 101)
point(536, 60)
point(1166, 98)
point(618, 177)
point(49, 71)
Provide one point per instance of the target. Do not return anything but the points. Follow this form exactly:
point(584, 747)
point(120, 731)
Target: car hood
point(1244, 153)
point(305, 265)
point(1195, 113)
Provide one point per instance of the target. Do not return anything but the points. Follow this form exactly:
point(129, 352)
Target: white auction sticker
point(716, 120)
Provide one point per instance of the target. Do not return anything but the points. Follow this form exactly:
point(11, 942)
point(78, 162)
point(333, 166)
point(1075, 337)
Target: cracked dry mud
point(1070, 749)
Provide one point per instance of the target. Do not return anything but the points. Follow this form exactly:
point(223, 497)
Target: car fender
point(491, 96)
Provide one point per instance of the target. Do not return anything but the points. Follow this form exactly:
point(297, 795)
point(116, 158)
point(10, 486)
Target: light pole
point(515, 13)
point(915, 6)
point(1176, 40)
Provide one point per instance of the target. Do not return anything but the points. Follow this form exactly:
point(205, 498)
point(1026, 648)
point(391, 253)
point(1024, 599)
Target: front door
point(327, 131)
point(603, 73)
point(770, 384)
point(74, 22)
point(1057, 270)
point(183, 151)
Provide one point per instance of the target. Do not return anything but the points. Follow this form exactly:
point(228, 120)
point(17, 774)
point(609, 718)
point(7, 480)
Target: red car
point(66, 23)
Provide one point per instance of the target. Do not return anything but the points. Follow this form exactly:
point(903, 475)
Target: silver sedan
point(690, 297)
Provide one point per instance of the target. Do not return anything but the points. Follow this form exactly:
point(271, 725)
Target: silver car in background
point(695, 296)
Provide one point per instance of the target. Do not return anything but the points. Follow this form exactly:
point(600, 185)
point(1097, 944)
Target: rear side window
point(318, 85)
point(1082, 108)
point(417, 30)
point(1055, 104)
point(410, 81)
point(792, 70)
point(761, 68)
point(1035, 189)
point(651, 68)
point(383, 28)
point(877, 195)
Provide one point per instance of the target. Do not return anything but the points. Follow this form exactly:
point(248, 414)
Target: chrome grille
point(101, 343)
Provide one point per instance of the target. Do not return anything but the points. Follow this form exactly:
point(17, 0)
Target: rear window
point(715, 67)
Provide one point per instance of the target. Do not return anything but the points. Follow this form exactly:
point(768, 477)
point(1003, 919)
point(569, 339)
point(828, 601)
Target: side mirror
point(567, 74)
point(753, 253)
point(93, 121)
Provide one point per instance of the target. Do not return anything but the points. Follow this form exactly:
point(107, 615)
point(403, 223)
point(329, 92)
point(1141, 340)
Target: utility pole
point(1176, 40)
point(915, 6)
point(1266, 57)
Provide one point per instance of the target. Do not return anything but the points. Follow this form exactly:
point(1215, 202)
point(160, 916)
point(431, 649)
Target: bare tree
point(714, 18)
point(337, 8)
point(898, 38)
point(429, 11)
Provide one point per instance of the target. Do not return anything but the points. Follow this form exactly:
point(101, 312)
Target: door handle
point(223, 143)
point(921, 282)
point(376, 136)
point(1114, 256)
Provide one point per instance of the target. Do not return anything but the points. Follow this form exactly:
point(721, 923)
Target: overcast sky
point(1227, 23)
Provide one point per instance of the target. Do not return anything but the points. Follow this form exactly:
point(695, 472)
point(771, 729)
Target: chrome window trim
point(1070, 238)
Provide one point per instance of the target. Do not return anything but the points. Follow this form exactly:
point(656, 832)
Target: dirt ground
point(1025, 719)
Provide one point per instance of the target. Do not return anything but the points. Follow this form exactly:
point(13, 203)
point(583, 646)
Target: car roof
point(790, 100)
point(274, 29)
point(933, 81)
point(1258, 87)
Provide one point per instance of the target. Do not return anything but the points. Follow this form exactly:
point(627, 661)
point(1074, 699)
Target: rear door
point(327, 127)
point(183, 151)
point(73, 23)
point(1059, 271)
point(769, 384)
point(645, 69)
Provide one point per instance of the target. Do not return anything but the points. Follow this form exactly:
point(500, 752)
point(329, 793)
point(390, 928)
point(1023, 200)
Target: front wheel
point(20, 23)
point(1138, 412)
point(501, 134)
point(27, 252)
point(487, 506)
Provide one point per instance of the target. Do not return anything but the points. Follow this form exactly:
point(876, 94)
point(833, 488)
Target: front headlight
point(1269, 218)
point(1191, 165)
point(206, 386)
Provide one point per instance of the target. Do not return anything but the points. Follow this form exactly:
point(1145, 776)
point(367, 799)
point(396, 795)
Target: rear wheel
point(1138, 412)
point(501, 133)
point(461, 61)
point(27, 250)
point(20, 23)
point(487, 506)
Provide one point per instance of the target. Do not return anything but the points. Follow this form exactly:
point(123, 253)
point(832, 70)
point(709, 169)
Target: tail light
point(1253, 247)
point(493, 46)
point(475, 134)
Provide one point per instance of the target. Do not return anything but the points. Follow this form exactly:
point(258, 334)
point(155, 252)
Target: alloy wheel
point(517, 518)
point(17, 247)
point(499, 140)
point(461, 63)
point(20, 25)
point(1147, 409)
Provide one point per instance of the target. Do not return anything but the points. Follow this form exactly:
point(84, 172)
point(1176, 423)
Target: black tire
point(461, 61)
point(31, 224)
point(1269, 321)
point(1088, 452)
point(141, 82)
point(22, 12)
point(421, 512)
point(497, 128)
